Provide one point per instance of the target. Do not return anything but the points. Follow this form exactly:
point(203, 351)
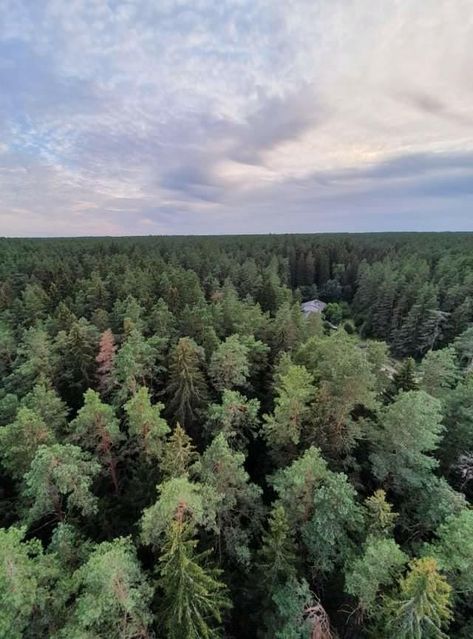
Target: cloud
point(135, 117)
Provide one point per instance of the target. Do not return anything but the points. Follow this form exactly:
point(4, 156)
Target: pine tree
point(145, 424)
point(20, 440)
point(379, 516)
point(135, 364)
point(371, 573)
point(229, 366)
point(194, 599)
point(192, 502)
point(408, 431)
point(295, 390)
point(112, 596)
point(97, 429)
point(59, 480)
point(439, 372)
point(19, 588)
point(46, 403)
point(239, 507)
point(236, 418)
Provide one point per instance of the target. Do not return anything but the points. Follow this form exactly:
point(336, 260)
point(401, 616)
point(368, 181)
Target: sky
point(145, 117)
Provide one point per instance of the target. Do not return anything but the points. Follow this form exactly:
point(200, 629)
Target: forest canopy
point(184, 454)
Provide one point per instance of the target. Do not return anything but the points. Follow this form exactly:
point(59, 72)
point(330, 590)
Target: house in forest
point(312, 306)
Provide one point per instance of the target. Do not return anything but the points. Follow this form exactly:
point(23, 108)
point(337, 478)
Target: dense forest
point(185, 455)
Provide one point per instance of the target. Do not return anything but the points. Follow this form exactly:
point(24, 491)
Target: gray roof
point(313, 306)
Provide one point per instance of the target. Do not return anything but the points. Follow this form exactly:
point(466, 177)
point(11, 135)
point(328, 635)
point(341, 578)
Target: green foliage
point(408, 431)
point(405, 378)
point(236, 418)
point(135, 364)
point(19, 588)
point(376, 569)
point(331, 532)
point(453, 551)
point(277, 557)
point(186, 388)
point(423, 606)
point(345, 382)
point(20, 440)
point(112, 595)
point(178, 453)
point(145, 424)
point(229, 366)
point(194, 503)
point(379, 516)
point(222, 470)
point(439, 372)
point(213, 328)
point(194, 599)
point(97, 429)
point(296, 484)
point(47, 404)
point(295, 390)
point(60, 480)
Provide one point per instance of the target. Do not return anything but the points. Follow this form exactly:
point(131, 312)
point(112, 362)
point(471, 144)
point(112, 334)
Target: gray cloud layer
point(124, 117)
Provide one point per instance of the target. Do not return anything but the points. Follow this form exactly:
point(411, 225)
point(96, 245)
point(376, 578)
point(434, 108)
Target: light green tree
point(112, 595)
point(409, 430)
point(422, 609)
point(377, 568)
point(20, 440)
point(145, 424)
point(97, 429)
point(294, 392)
point(179, 454)
point(239, 500)
point(236, 418)
point(60, 480)
point(229, 366)
point(193, 503)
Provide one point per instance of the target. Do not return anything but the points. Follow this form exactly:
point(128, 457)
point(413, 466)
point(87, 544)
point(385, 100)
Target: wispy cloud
point(122, 117)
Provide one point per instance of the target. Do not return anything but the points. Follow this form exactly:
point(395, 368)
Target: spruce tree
point(194, 599)
point(186, 388)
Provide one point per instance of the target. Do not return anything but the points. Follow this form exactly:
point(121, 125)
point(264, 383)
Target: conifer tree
point(229, 366)
point(239, 508)
point(145, 424)
point(47, 404)
point(97, 429)
point(179, 453)
point(236, 418)
point(19, 588)
point(294, 390)
point(105, 359)
point(277, 557)
point(423, 606)
point(409, 430)
point(439, 372)
point(60, 480)
point(112, 595)
point(20, 440)
point(186, 388)
point(379, 516)
point(194, 599)
point(405, 378)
